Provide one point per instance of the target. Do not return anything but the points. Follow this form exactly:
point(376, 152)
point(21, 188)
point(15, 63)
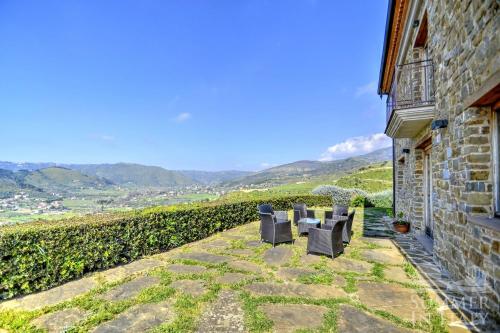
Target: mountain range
point(309, 169)
point(54, 177)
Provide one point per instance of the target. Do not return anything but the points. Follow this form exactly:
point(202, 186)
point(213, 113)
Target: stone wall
point(463, 42)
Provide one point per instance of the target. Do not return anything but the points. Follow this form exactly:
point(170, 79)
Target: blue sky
point(191, 84)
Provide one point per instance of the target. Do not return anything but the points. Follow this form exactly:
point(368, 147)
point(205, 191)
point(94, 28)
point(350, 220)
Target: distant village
point(33, 205)
point(26, 203)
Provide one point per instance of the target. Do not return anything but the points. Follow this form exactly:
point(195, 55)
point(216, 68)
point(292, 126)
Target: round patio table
point(304, 224)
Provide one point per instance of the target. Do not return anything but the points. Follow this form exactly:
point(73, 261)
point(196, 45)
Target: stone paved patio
point(231, 282)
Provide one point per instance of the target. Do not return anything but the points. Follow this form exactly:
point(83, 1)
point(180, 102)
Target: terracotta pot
point(402, 228)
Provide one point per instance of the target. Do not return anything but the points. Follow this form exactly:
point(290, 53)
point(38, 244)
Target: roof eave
point(388, 26)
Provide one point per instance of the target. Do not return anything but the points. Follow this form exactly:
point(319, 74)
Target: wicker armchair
point(273, 229)
point(336, 214)
point(347, 231)
point(300, 211)
point(327, 240)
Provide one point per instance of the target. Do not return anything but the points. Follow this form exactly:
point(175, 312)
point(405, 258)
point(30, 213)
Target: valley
point(32, 191)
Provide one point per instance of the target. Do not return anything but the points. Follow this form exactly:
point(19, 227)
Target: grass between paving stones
point(378, 270)
point(237, 244)
point(257, 321)
point(297, 252)
point(188, 310)
point(354, 253)
point(18, 321)
point(410, 270)
point(321, 277)
point(372, 246)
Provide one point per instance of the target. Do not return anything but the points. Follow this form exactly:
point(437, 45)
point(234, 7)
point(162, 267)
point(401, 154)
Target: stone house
point(440, 72)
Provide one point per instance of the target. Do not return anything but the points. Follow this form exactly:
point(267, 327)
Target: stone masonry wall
point(463, 42)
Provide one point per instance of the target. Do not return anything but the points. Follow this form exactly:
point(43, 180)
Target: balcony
point(410, 104)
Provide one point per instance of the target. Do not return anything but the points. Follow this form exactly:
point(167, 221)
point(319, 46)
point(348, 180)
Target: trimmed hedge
point(40, 255)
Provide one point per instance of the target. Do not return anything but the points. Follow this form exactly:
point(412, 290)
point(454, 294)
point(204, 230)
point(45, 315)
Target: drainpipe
point(394, 177)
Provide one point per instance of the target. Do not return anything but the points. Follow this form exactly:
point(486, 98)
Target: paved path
point(231, 282)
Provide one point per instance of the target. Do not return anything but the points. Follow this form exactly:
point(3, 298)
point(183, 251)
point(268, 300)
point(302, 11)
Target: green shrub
point(39, 255)
point(360, 201)
point(380, 199)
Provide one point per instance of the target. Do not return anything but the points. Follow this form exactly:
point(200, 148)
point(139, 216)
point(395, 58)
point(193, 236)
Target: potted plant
point(400, 224)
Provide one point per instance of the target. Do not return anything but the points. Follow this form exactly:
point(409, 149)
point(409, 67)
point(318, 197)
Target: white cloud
point(182, 117)
point(356, 146)
point(367, 89)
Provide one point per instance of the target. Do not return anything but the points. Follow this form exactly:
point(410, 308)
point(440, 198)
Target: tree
point(104, 202)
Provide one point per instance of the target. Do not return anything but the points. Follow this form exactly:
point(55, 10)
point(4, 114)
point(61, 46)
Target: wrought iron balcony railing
point(413, 86)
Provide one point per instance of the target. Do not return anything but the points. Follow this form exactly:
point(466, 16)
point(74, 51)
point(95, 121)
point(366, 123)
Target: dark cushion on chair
point(340, 210)
point(266, 208)
point(302, 208)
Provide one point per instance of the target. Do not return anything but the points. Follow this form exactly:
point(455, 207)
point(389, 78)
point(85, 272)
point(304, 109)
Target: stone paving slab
point(130, 289)
point(241, 252)
point(293, 273)
point(194, 288)
point(216, 244)
point(352, 320)
point(52, 296)
point(186, 269)
point(139, 318)
point(233, 278)
point(60, 321)
point(397, 274)
point(341, 264)
point(253, 243)
point(385, 256)
point(316, 291)
point(245, 266)
point(402, 302)
point(309, 259)
point(204, 257)
point(124, 271)
point(225, 315)
point(383, 242)
point(278, 255)
point(339, 281)
point(233, 236)
point(290, 317)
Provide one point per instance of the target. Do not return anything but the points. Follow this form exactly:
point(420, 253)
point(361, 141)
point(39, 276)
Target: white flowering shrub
point(340, 196)
point(345, 196)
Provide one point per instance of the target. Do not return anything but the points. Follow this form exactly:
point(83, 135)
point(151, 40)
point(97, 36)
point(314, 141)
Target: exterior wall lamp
point(440, 123)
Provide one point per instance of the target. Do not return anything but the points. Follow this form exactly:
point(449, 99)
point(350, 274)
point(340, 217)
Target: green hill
point(135, 175)
point(214, 177)
point(374, 178)
point(309, 170)
point(43, 182)
point(371, 178)
point(57, 179)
